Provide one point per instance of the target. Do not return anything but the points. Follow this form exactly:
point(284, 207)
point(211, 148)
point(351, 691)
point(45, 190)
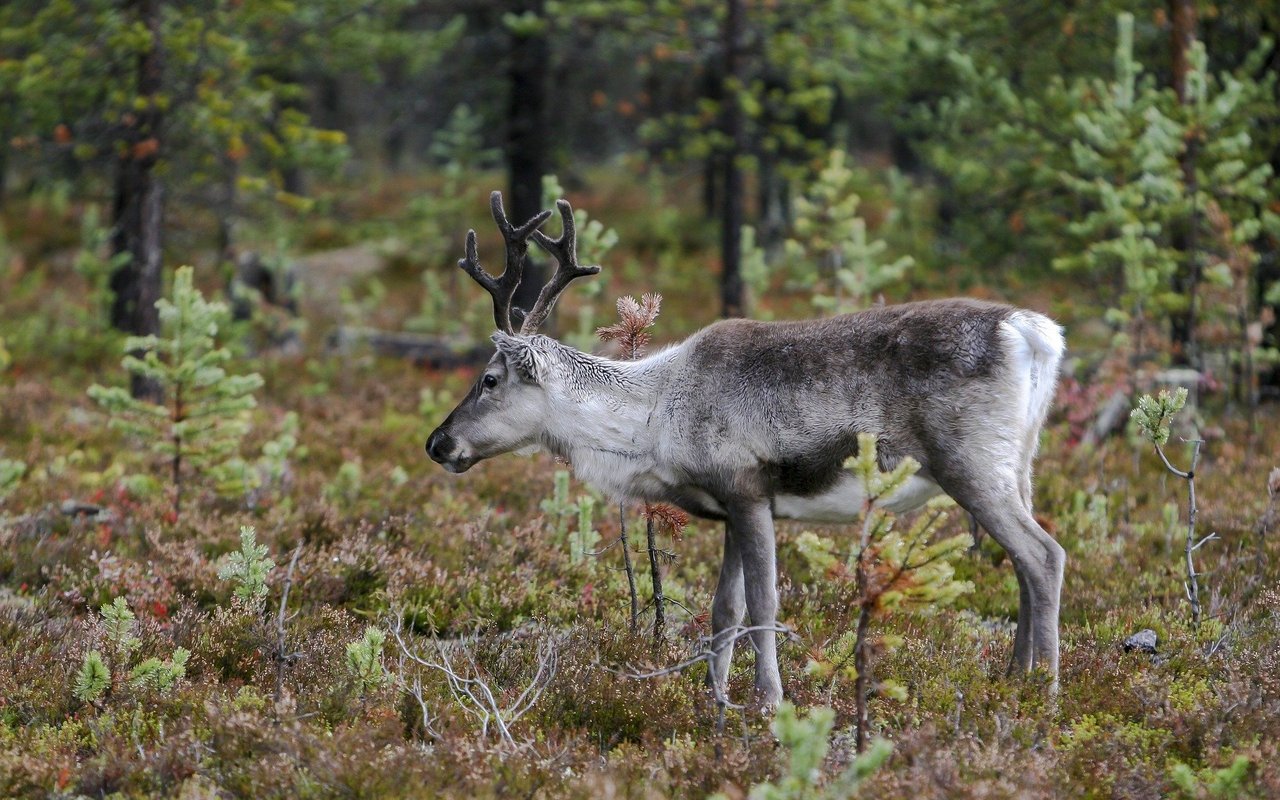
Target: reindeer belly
point(843, 501)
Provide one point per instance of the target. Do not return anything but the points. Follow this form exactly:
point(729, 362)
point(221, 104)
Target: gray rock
point(1144, 641)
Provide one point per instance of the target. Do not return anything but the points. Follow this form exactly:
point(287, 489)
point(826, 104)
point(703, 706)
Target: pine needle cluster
point(631, 331)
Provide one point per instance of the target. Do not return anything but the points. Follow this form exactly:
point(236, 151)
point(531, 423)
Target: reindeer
point(747, 422)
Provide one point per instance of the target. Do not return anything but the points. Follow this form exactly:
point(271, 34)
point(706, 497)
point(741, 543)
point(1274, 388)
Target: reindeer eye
point(490, 381)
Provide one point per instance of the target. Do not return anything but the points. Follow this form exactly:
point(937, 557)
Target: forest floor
point(482, 573)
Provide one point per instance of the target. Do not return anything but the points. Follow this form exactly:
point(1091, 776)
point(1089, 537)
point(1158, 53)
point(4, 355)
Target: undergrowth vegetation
point(359, 623)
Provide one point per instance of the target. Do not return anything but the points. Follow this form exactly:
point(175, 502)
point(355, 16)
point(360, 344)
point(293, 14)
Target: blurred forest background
point(317, 163)
point(847, 149)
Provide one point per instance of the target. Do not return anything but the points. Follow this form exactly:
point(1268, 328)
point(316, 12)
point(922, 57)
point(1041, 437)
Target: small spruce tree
point(203, 418)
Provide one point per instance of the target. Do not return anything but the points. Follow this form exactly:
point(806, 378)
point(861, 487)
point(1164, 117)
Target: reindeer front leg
point(753, 538)
point(727, 610)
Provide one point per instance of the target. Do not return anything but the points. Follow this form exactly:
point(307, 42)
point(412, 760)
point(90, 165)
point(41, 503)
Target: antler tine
point(565, 251)
point(503, 287)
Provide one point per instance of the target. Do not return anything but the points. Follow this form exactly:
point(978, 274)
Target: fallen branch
point(429, 351)
point(710, 647)
point(473, 695)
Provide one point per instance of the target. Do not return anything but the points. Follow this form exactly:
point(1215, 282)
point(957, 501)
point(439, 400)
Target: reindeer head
point(506, 409)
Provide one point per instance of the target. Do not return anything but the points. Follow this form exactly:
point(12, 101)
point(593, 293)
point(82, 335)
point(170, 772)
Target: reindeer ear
point(520, 354)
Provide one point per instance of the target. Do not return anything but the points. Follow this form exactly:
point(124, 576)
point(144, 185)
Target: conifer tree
point(198, 425)
point(1127, 171)
point(829, 232)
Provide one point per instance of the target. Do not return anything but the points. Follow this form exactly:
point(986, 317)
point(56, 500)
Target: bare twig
point(659, 613)
point(283, 657)
point(1192, 544)
point(631, 572)
point(473, 695)
point(709, 647)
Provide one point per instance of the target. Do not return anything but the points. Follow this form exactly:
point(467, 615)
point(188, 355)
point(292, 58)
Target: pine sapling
point(805, 743)
point(892, 570)
point(248, 568)
point(585, 538)
point(93, 679)
point(199, 422)
point(364, 661)
point(118, 622)
point(160, 675)
point(1153, 416)
point(829, 232)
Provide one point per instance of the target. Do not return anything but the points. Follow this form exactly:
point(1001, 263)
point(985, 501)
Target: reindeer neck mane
point(601, 415)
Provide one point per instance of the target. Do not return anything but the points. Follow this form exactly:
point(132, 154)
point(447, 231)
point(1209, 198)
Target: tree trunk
point(1183, 325)
point(527, 138)
point(4, 166)
point(732, 210)
point(1267, 272)
point(139, 204)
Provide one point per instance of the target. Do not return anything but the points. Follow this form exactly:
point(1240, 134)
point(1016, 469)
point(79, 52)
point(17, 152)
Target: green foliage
point(829, 234)
point(364, 661)
point(754, 266)
point(11, 472)
point(805, 742)
point(594, 243)
point(232, 85)
point(558, 506)
point(269, 472)
point(458, 145)
point(160, 676)
point(118, 621)
point(203, 418)
point(345, 487)
point(93, 679)
point(585, 538)
point(273, 464)
point(563, 511)
point(786, 97)
point(434, 404)
point(248, 568)
point(1137, 175)
point(891, 570)
point(594, 239)
point(1226, 783)
point(1153, 415)
point(95, 265)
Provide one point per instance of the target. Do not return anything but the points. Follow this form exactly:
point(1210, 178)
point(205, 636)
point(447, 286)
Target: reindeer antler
point(503, 287)
point(565, 252)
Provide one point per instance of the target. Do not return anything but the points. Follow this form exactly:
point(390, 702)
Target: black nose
point(439, 446)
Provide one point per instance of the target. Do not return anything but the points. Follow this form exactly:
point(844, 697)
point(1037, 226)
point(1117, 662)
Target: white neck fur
point(602, 419)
